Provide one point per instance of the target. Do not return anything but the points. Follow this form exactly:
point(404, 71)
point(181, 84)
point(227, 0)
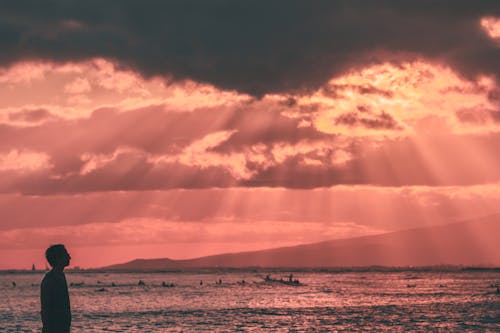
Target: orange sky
point(117, 164)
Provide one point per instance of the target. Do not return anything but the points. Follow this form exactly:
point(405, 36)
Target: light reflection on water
point(327, 301)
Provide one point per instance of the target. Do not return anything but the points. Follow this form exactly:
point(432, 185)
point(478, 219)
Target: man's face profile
point(65, 258)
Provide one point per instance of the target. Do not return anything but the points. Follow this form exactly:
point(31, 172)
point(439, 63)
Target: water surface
point(375, 301)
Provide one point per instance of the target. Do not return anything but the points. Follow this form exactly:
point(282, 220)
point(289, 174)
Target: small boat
point(289, 282)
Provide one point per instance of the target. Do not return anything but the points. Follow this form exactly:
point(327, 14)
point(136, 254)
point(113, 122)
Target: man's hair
point(54, 252)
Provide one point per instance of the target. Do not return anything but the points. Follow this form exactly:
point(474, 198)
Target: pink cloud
point(98, 83)
point(378, 123)
point(78, 86)
point(24, 72)
point(23, 161)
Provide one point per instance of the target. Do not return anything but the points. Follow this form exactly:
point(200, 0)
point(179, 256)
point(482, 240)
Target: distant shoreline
point(208, 270)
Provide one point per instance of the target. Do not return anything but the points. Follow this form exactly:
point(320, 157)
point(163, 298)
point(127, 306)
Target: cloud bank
point(254, 47)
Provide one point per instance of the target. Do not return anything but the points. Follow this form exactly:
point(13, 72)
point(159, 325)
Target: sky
point(149, 129)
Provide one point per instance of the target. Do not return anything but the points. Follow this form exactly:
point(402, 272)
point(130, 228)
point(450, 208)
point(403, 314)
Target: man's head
point(57, 256)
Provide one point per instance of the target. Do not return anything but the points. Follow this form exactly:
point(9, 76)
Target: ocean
point(323, 302)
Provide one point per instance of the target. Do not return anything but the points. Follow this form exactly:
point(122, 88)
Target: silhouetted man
point(54, 297)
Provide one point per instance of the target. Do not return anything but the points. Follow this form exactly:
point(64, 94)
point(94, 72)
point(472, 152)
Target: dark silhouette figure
point(14, 284)
point(141, 283)
point(54, 296)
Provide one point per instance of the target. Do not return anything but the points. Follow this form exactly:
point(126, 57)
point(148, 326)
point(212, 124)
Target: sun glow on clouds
point(492, 26)
point(370, 106)
point(382, 100)
point(391, 100)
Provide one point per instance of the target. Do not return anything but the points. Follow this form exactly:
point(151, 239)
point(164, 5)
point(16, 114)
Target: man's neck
point(58, 269)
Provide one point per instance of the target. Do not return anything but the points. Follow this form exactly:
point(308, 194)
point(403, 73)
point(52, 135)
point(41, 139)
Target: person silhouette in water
point(54, 296)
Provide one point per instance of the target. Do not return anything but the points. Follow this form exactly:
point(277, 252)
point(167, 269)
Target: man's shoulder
point(51, 276)
point(47, 278)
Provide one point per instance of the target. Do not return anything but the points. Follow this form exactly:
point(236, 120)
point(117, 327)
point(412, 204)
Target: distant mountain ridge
point(465, 243)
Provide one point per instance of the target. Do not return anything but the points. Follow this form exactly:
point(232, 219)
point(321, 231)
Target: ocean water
point(324, 302)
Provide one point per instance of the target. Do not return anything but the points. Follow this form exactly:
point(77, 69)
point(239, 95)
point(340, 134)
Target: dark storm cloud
point(251, 46)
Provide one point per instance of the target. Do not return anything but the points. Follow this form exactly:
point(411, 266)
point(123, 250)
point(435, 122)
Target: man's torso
point(56, 312)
